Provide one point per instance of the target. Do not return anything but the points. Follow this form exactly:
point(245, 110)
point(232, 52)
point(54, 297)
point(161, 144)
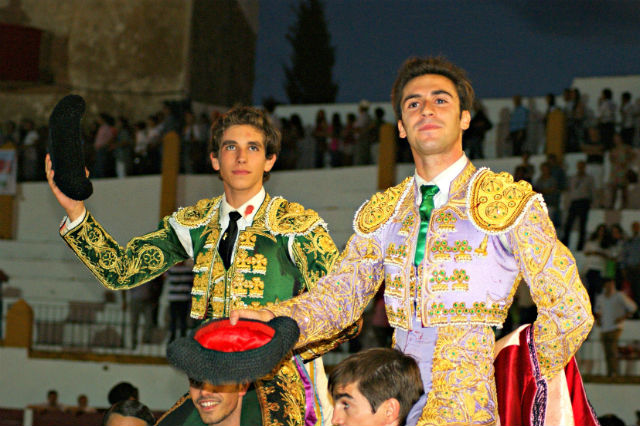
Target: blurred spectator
point(190, 141)
point(321, 134)
point(179, 282)
point(82, 407)
point(128, 413)
point(335, 140)
point(612, 307)
point(141, 303)
point(363, 125)
point(621, 157)
point(616, 247)
point(606, 117)
point(580, 194)
point(631, 261)
point(518, 123)
point(375, 134)
point(627, 125)
point(269, 105)
point(536, 132)
point(292, 133)
point(52, 403)
point(140, 148)
point(123, 147)
point(548, 187)
point(121, 392)
point(473, 137)
point(154, 144)
point(575, 132)
point(594, 148)
point(10, 133)
point(307, 149)
point(557, 170)
point(103, 144)
point(28, 165)
point(349, 140)
point(595, 262)
point(527, 170)
point(610, 420)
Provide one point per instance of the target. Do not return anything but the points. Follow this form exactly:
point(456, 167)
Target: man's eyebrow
point(441, 92)
point(342, 395)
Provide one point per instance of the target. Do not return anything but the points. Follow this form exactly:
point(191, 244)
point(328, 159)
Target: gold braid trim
point(291, 219)
point(496, 203)
point(380, 208)
point(198, 214)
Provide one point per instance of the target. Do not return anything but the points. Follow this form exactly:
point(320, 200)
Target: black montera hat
point(218, 352)
point(65, 148)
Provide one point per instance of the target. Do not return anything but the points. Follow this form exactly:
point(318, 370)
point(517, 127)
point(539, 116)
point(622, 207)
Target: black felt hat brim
point(65, 148)
point(217, 367)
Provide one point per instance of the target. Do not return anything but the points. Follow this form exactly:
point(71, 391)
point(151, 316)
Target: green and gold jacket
point(282, 254)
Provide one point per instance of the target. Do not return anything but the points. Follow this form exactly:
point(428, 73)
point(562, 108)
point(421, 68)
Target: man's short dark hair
point(381, 374)
point(242, 115)
point(121, 392)
point(416, 67)
point(130, 408)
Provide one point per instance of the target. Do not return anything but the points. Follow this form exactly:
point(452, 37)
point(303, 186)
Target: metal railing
point(91, 327)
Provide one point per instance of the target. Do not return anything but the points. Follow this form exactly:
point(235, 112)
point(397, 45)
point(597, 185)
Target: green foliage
point(309, 78)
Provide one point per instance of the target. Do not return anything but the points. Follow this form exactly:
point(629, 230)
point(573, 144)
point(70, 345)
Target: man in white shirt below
point(375, 387)
point(612, 308)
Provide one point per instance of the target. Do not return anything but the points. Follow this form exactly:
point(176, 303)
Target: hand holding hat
point(65, 148)
point(220, 353)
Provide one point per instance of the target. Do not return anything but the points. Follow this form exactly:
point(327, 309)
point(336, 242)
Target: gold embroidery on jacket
point(379, 209)
point(496, 201)
point(463, 389)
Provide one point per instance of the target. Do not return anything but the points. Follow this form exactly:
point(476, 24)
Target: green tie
point(426, 207)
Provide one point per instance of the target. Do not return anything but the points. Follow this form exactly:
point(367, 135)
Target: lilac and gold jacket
point(490, 234)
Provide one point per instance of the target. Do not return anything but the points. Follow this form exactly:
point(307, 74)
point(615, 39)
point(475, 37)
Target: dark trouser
point(579, 209)
point(517, 138)
point(633, 276)
point(610, 344)
point(178, 312)
point(594, 285)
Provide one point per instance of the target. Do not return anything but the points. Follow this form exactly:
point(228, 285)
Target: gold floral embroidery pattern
point(458, 313)
point(496, 201)
point(463, 390)
point(441, 250)
point(394, 286)
point(114, 266)
point(286, 218)
point(564, 312)
point(379, 209)
point(336, 303)
point(446, 221)
point(407, 225)
point(396, 255)
point(198, 214)
point(461, 181)
point(282, 396)
point(317, 249)
point(439, 280)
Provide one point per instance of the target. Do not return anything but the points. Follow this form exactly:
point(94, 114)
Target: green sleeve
point(118, 268)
